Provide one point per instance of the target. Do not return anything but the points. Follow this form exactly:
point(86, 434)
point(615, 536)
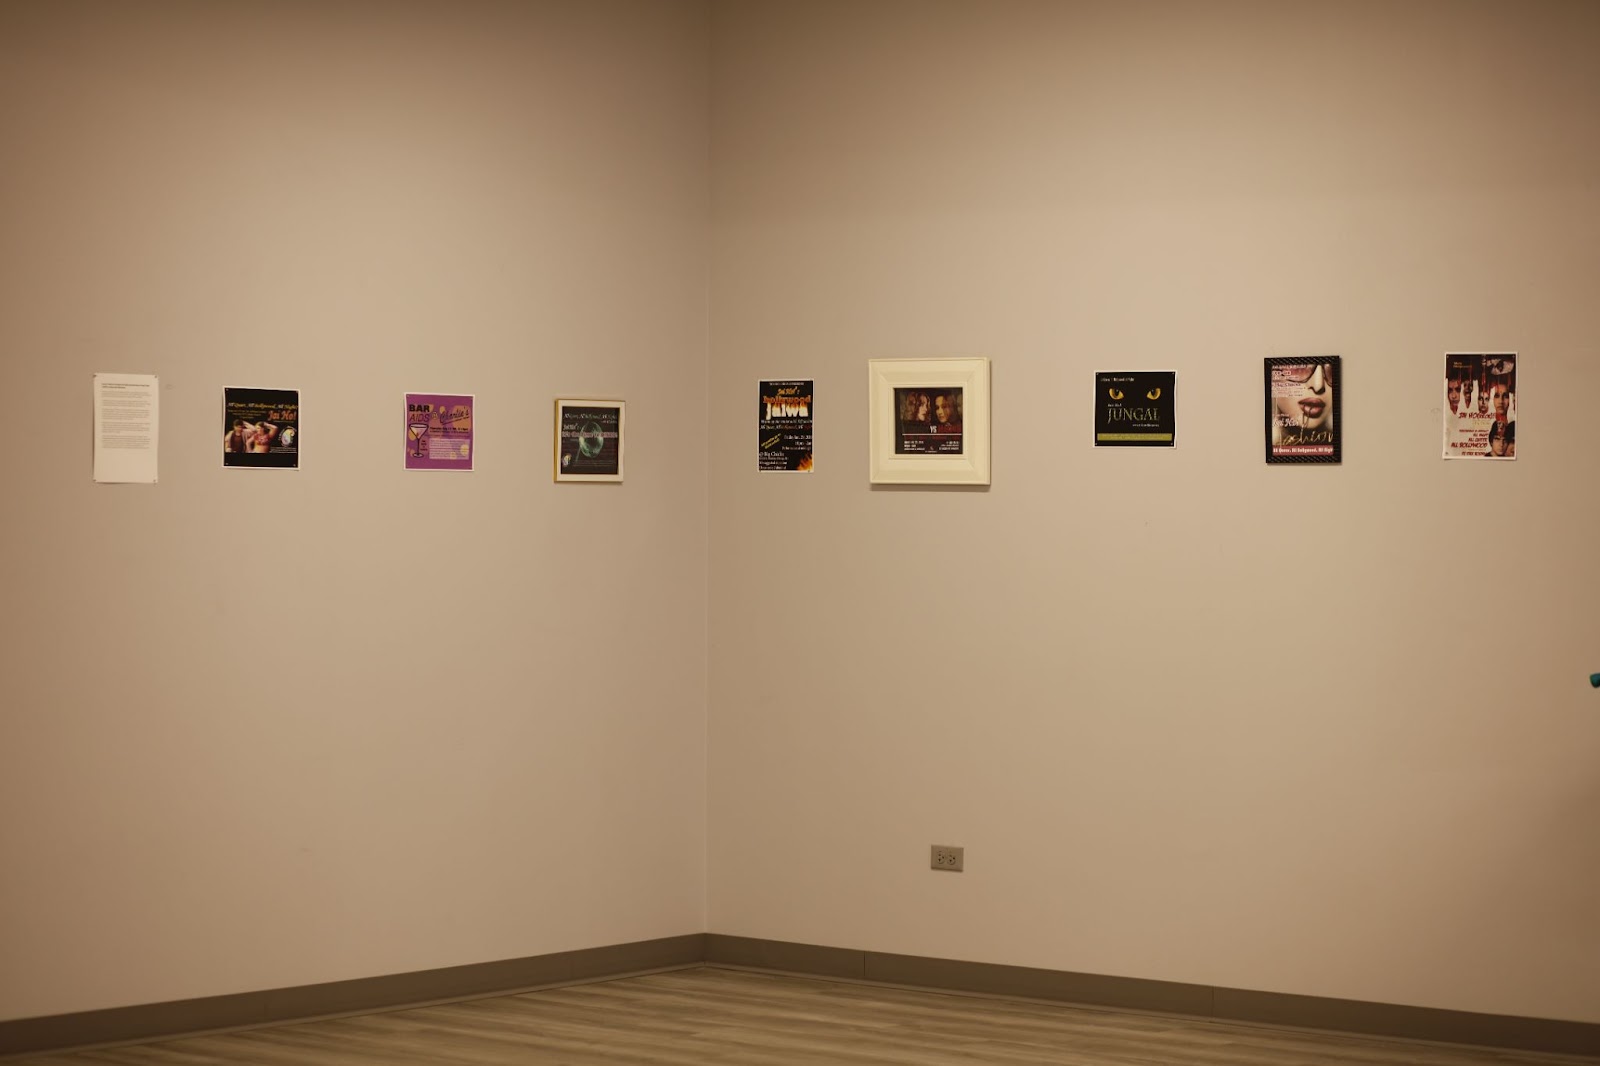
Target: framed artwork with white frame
point(589, 440)
point(929, 421)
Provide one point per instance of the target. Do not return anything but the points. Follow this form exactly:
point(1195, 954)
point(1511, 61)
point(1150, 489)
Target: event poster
point(1303, 409)
point(589, 440)
point(784, 422)
point(261, 427)
point(1480, 406)
point(438, 431)
point(928, 420)
point(1134, 408)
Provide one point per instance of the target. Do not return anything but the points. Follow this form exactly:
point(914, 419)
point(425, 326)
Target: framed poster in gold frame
point(589, 439)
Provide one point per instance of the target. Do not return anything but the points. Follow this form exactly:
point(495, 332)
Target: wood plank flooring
point(708, 1016)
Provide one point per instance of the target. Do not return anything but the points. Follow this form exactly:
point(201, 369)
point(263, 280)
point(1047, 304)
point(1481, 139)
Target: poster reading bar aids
point(589, 440)
point(784, 426)
point(1480, 406)
point(438, 431)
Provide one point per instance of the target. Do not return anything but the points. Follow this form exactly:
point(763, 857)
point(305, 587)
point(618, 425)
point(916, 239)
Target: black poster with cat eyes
point(1303, 415)
point(1134, 409)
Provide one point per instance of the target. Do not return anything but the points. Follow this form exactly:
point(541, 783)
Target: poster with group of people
point(1480, 412)
point(261, 427)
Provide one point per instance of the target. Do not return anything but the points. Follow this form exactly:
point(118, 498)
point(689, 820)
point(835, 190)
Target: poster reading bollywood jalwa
point(1134, 408)
point(784, 422)
point(1303, 409)
point(261, 427)
point(1480, 412)
point(589, 440)
point(438, 431)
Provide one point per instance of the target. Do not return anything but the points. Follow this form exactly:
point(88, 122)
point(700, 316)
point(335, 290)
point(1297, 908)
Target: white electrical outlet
point(949, 858)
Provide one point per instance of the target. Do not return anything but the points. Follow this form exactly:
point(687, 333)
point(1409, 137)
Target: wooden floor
point(709, 1016)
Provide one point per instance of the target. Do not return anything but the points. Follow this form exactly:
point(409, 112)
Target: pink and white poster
point(1480, 406)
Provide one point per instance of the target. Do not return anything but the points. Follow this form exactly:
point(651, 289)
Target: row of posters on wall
point(261, 429)
point(1303, 422)
point(1302, 413)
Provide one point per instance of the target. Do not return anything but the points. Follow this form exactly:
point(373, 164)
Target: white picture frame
point(915, 447)
point(589, 439)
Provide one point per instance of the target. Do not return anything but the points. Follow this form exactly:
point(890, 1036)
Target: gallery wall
point(1193, 718)
point(270, 728)
point(1309, 730)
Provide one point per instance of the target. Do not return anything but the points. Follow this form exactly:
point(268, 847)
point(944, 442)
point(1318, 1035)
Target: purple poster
point(438, 431)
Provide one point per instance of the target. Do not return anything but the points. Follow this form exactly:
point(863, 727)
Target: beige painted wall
point(264, 728)
point(1323, 731)
point(1316, 731)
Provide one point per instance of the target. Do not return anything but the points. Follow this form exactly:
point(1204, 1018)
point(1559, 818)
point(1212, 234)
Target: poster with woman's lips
point(1303, 423)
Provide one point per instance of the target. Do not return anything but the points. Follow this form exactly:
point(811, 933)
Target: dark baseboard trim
point(1126, 993)
point(368, 994)
point(397, 991)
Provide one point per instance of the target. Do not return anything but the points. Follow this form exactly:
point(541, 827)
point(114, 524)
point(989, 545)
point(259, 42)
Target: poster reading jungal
point(1480, 406)
point(1135, 408)
point(784, 426)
